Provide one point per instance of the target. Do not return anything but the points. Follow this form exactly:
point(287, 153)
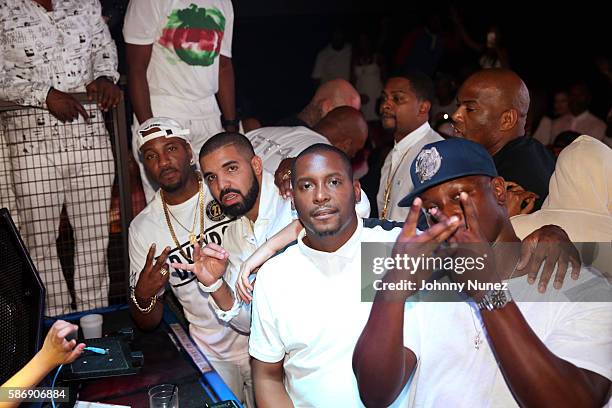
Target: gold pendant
point(477, 341)
point(193, 238)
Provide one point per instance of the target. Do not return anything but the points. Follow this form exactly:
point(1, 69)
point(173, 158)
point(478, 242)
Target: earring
point(192, 162)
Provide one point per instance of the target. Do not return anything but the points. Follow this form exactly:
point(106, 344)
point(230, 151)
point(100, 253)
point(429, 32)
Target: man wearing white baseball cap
point(181, 215)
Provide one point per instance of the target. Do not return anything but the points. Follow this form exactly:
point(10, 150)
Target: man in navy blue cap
point(493, 351)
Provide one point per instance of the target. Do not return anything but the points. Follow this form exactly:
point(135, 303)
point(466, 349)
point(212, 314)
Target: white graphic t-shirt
point(187, 36)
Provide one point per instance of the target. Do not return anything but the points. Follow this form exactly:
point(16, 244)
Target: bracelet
point(230, 122)
point(145, 310)
point(212, 288)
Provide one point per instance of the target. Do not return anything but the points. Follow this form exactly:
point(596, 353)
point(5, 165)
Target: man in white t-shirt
point(238, 181)
point(307, 312)
point(333, 61)
point(179, 58)
point(536, 349)
point(183, 214)
point(343, 127)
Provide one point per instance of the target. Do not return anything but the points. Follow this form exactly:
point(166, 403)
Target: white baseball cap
point(167, 128)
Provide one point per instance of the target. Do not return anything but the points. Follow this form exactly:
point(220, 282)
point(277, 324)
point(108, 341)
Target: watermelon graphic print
point(193, 35)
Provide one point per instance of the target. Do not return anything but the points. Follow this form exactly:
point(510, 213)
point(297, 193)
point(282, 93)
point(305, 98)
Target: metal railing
point(56, 180)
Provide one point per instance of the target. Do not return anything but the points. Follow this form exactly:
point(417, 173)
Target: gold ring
point(286, 176)
point(163, 271)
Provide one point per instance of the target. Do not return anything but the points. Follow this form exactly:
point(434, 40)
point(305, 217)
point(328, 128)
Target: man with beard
point(244, 189)
point(179, 58)
point(237, 180)
point(307, 309)
point(404, 110)
point(181, 215)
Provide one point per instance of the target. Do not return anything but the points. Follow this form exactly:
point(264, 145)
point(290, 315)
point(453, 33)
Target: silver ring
point(163, 271)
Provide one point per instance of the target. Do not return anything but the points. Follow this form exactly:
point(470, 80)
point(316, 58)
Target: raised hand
point(210, 263)
point(282, 177)
point(56, 349)
point(154, 274)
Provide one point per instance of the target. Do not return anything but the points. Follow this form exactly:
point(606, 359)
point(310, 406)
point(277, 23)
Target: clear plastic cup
point(164, 396)
point(91, 325)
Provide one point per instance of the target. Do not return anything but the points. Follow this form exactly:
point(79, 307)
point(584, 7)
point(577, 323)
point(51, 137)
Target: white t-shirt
point(332, 64)
point(243, 237)
point(187, 38)
point(307, 310)
point(453, 373)
point(275, 143)
point(215, 338)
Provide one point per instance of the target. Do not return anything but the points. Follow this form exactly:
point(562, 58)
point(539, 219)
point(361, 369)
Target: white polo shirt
point(307, 310)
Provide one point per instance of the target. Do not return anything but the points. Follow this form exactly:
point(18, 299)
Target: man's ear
point(344, 145)
point(257, 165)
point(357, 189)
point(509, 119)
point(424, 108)
point(498, 186)
point(326, 106)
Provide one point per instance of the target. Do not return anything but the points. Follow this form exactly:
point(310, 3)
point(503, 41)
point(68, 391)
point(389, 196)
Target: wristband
point(230, 122)
point(212, 288)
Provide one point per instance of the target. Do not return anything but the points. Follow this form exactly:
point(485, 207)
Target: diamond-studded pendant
point(477, 341)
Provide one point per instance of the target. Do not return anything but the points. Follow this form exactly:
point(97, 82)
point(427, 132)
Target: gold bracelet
point(146, 310)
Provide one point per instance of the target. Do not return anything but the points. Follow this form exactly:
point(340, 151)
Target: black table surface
point(163, 364)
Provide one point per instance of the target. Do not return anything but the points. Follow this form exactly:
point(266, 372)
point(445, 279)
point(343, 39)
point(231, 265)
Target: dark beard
point(171, 188)
point(239, 209)
point(325, 233)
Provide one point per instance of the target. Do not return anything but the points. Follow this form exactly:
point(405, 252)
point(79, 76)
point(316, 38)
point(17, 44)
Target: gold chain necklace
point(387, 194)
point(193, 238)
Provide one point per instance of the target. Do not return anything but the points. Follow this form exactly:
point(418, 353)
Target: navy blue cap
point(446, 160)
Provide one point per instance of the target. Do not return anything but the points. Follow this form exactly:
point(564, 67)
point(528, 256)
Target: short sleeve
point(412, 331)
point(265, 343)
point(583, 336)
point(142, 23)
point(317, 71)
point(226, 43)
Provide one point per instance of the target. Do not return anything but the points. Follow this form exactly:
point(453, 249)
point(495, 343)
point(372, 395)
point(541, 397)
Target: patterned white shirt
point(66, 48)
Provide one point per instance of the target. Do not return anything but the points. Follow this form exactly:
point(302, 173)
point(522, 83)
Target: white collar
point(269, 197)
point(346, 251)
point(412, 138)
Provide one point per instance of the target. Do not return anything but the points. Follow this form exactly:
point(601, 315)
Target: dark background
point(275, 41)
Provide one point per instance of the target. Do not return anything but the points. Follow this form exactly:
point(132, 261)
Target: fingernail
point(464, 195)
point(454, 219)
point(542, 288)
point(167, 248)
point(531, 281)
point(557, 285)
point(152, 245)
